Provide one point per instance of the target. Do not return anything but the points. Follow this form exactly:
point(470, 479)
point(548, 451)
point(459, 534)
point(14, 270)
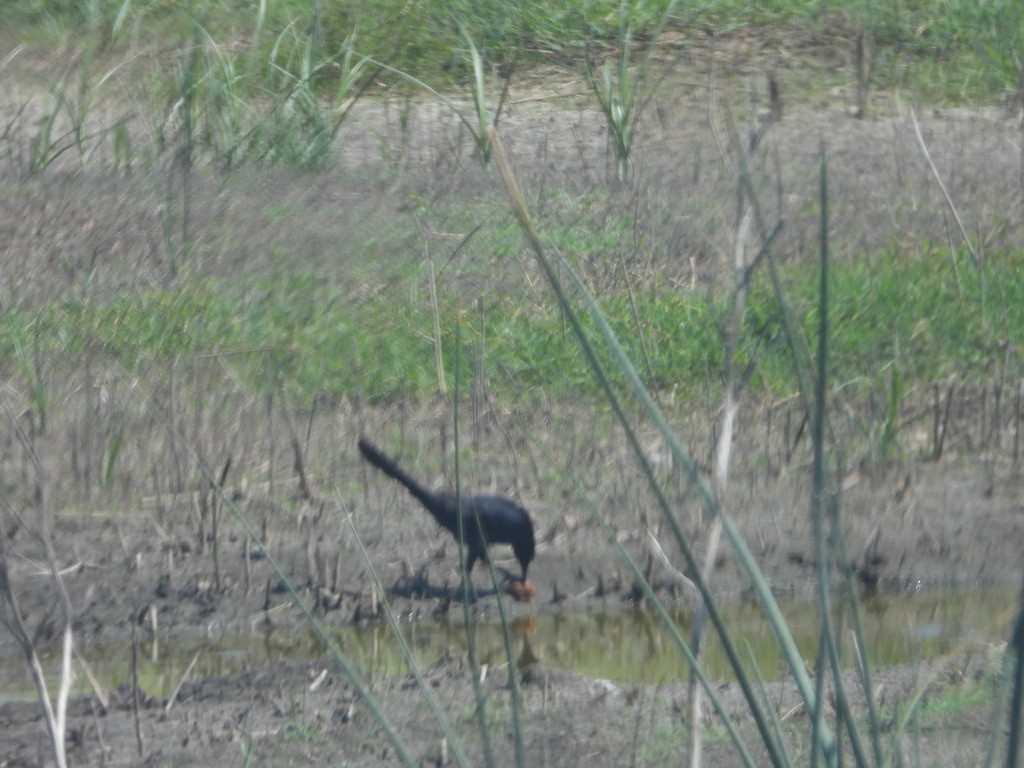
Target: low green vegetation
point(919, 310)
point(942, 49)
point(956, 700)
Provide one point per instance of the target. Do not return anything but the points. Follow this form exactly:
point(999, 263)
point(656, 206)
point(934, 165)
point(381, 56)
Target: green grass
point(948, 50)
point(955, 701)
point(916, 310)
point(930, 311)
point(225, 84)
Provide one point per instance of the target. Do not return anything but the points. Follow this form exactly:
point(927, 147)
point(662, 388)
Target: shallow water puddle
point(628, 646)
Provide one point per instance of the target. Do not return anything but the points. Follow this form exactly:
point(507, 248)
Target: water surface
point(627, 646)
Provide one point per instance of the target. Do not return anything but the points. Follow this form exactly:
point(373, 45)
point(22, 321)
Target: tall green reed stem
point(467, 588)
point(710, 687)
point(454, 743)
point(747, 561)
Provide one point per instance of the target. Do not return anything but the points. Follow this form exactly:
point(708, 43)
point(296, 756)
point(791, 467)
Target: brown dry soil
point(917, 524)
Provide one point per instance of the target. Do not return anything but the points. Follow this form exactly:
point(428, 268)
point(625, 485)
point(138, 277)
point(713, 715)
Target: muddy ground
point(952, 523)
point(911, 521)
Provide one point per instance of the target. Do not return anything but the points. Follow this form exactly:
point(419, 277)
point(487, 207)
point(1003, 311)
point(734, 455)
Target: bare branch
point(945, 192)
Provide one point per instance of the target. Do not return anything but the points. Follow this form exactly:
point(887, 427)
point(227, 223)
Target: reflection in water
point(629, 646)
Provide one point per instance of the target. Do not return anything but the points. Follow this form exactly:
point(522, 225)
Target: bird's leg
point(467, 587)
point(467, 591)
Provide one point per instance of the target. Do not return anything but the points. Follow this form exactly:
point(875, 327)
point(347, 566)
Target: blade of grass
point(822, 498)
point(949, 200)
point(515, 694)
point(506, 633)
point(479, 103)
point(435, 707)
point(481, 141)
point(763, 690)
point(30, 371)
point(746, 558)
point(467, 613)
point(864, 670)
point(823, 580)
point(710, 689)
point(1016, 650)
point(794, 338)
point(813, 401)
point(860, 641)
point(10, 56)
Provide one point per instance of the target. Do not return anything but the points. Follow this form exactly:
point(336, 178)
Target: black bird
point(500, 521)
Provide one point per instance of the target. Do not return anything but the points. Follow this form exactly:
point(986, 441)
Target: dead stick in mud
point(299, 464)
point(135, 689)
point(1016, 714)
point(99, 729)
point(43, 571)
point(12, 620)
point(942, 186)
point(1016, 426)
point(995, 431)
point(247, 566)
point(215, 505)
point(11, 615)
point(311, 570)
point(654, 547)
point(97, 688)
point(204, 511)
point(862, 58)
point(983, 418)
point(153, 624)
point(263, 616)
point(181, 682)
point(941, 427)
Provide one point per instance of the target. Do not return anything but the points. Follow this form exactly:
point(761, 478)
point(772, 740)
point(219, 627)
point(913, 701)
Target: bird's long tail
point(392, 470)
